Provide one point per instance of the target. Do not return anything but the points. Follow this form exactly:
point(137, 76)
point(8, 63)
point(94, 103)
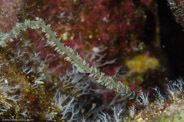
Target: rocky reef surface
point(86, 60)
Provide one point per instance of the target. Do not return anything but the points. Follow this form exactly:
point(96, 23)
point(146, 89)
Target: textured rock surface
point(119, 37)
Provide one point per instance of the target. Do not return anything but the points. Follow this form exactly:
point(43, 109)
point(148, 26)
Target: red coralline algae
point(84, 25)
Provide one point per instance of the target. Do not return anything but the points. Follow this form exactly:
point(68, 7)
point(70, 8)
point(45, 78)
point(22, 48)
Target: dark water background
point(172, 40)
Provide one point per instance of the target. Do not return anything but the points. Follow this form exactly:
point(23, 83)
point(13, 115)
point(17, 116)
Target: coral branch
point(71, 56)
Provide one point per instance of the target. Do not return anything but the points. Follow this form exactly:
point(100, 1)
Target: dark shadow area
point(172, 39)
